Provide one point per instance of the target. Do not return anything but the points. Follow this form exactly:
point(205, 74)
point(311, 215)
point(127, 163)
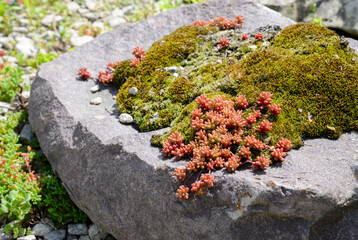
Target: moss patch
point(309, 69)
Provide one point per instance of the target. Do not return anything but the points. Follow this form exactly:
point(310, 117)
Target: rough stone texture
point(96, 233)
point(337, 14)
point(77, 229)
point(56, 235)
point(29, 237)
point(126, 186)
point(41, 229)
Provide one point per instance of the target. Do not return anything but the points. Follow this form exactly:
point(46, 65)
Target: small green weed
point(315, 19)
point(56, 200)
point(19, 185)
point(42, 58)
point(10, 77)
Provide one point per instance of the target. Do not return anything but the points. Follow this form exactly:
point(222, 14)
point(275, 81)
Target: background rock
point(336, 14)
point(126, 186)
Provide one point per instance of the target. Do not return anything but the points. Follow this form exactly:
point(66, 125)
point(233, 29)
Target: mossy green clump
point(313, 78)
point(160, 96)
point(309, 69)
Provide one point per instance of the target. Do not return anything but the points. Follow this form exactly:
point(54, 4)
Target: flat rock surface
point(126, 186)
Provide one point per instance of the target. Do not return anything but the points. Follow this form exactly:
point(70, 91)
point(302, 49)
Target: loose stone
point(85, 237)
point(71, 237)
point(5, 106)
point(25, 46)
point(171, 69)
point(41, 229)
point(20, 29)
point(133, 91)
point(51, 19)
point(73, 6)
point(115, 22)
point(56, 235)
point(80, 40)
point(96, 101)
point(95, 232)
point(6, 42)
point(77, 229)
point(125, 118)
point(29, 237)
point(95, 89)
point(26, 134)
point(92, 16)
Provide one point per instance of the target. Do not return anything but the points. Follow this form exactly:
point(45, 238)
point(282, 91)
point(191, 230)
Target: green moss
point(180, 90)
point(122, 73)
point(309, 69)
point(160, 96)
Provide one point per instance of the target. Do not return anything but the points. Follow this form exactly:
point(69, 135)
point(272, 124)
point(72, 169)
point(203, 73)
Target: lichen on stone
point(310, 70)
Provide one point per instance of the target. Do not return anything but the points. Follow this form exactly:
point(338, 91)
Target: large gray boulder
point(337, 14)
point(127, 188)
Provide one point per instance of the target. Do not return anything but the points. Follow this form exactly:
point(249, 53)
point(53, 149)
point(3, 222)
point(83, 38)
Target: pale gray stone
point(80, 22)
point(80, 40)
point(26, 46)
point(41, 229)
point(128, 9)
point(5, 105)
point(172, 69)
point(24, 21)
point(56, 235)
point(92, 16)
point(71, 237)
point(77, 229)
point(26, 135)
point(98, 24)
point(84, 237)
point(20, 29)
point(12, 61)
point(117, 21)
point(29, 78)
point(4, 236)
point(133, 91)
point(96, 233)
point(29, 237)
point(96, 101)
point(49, 34)
point(73, 6)
point(51, 19)
point(25, 94)
point(125, 118)
point(117, 13)
point(94, 89)
point(93, 4)
point(127, 187)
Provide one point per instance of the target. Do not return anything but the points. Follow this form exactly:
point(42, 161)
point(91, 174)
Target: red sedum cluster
point(139, 54)
point(83, 73)
point(224, 42)
point(221, 22)
point(222, 141)
point(103, 76)
point(259, 36)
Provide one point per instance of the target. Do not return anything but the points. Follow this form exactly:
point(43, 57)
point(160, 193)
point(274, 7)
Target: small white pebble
point(95, 89)
point(96, 101)
point(133, 91)
point(125, 118)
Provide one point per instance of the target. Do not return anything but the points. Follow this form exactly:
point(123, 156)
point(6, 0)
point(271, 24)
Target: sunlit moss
point(309, 69)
